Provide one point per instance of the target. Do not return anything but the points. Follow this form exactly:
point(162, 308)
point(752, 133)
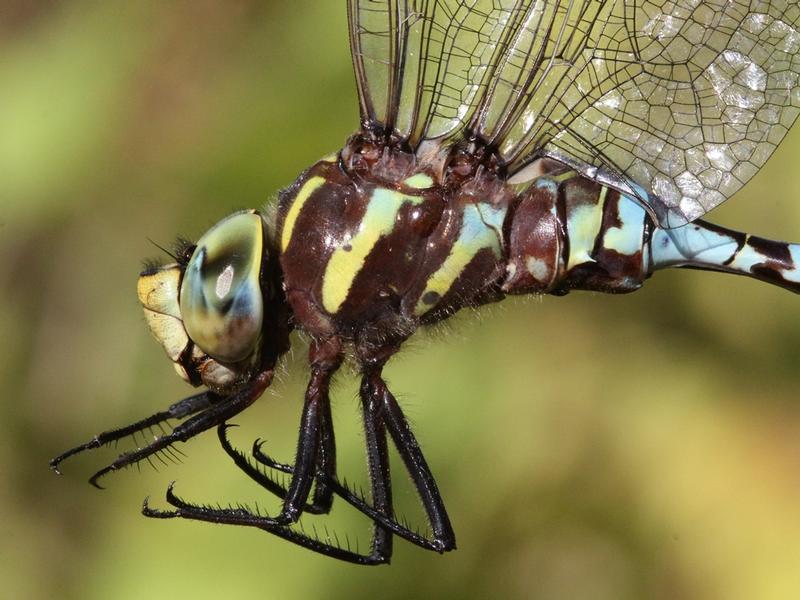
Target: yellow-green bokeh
point(587, 447)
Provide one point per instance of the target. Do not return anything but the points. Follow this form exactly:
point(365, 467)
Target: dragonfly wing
point(676, 102)
point(423, 66)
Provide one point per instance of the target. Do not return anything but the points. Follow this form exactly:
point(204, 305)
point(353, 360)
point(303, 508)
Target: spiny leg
point(325, 468)
point(326, 460)
point(340, 489)
point(269, 483)
point(381, 546)
point(325, 357)
point(183, 408)
point(381, 410)
point(378, 465)
point(241, 516)
point(212, 408)
point(377, 403)
point(315, 454)
point(380, 413)
point(378, 459)
point(444, 537)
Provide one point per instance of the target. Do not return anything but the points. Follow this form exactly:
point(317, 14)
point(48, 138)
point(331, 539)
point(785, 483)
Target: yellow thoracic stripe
point(479, 229)
point(583, 227)
point(419, 181)
point(348, 259)
point(308, 188)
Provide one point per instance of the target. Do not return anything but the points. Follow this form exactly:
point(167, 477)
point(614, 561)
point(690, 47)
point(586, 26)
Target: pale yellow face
point(158, 294)
point(208, 315)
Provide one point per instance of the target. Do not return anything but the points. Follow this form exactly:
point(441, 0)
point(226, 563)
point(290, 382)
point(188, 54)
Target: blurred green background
point(587, 447)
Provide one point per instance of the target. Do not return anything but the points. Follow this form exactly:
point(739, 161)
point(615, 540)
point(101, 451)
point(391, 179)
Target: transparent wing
point(678, 102)
point(687, 99)
point(423, 66)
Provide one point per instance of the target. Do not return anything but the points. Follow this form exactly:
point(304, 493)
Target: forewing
point(423, 66)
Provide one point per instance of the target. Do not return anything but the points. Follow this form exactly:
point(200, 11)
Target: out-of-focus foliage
point(587, 447)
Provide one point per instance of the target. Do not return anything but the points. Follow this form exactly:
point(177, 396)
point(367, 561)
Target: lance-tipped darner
point(506, 147)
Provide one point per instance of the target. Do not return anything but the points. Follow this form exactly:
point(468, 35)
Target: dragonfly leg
point(379, 406)
point(187, 406)
point(355, 499)
point(315, 455)
point(314, 447)
point(325, 467)
point(321, 502)
point(378, 465)
point(212, 408)
point(340, 489)
point(315, 464)
point(384, 402)
point(332, 546)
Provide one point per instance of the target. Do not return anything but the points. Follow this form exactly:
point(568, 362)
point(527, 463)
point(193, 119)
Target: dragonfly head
point(219, 312)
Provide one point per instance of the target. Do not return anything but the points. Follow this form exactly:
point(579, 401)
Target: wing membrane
point(686, 99)
point(423, 66)
point(678, 102)
point(371, 39)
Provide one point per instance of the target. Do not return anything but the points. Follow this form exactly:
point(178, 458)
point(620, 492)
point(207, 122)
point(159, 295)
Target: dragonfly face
point(506, 147)
point(208, 312)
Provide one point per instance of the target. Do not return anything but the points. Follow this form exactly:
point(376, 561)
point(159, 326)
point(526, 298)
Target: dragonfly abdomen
point(706, 246)
point(568, 232)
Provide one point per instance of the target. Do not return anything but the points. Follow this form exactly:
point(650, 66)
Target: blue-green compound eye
point(221, 302)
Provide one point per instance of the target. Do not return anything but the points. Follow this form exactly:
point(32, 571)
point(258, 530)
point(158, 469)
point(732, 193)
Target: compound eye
point(221, 301)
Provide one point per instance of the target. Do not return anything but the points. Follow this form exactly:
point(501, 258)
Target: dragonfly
point(505, 147)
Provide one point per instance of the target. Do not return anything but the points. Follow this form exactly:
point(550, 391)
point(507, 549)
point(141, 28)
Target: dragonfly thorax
point(373, 243)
